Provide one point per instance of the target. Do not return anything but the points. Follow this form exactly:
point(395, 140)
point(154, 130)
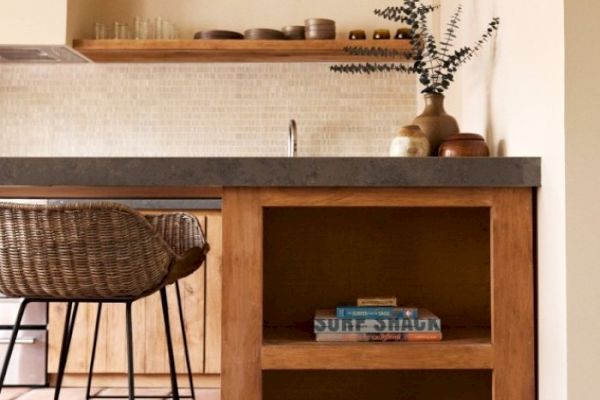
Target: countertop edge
point(272, 172)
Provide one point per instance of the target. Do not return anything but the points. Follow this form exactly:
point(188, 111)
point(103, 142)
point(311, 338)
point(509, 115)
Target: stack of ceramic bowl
point(294, 32)
point(320, 29)
point(263, 34)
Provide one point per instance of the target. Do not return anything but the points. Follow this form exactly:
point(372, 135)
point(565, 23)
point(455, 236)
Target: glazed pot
point(435, 122)
point(410, 142)
point(464, 145)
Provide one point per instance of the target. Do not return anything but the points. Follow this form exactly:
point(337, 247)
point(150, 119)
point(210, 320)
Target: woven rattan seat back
point(90, 251)
point(181, 231)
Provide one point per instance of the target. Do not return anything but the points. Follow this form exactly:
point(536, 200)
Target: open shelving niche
point(436, 258)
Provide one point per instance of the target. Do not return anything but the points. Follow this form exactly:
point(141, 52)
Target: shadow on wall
point(496, 149)
point(500, 148)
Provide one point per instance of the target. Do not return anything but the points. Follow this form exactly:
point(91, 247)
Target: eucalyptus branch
point(451, 27)
point(370, 68)
point(410, 10)
point(493, 26)
point(435, 62)
point(430, 77)
point(374, 52)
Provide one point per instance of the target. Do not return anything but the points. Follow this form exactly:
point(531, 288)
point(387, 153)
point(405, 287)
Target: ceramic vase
point(410, 142)
point(435, 122)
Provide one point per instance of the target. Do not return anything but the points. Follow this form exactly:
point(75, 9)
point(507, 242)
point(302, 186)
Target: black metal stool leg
point(165, 308)
point(88, 390)
point(13, 339)
point(70, 318)
point(130, 371)
point(185, 342)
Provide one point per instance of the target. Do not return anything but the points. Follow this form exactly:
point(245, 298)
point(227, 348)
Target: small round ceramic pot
point(410, 142)
point(382, 34)
point(464, 145)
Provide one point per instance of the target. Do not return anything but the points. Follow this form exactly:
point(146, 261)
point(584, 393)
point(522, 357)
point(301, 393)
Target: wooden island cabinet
point(466, 254)
point(455, 236)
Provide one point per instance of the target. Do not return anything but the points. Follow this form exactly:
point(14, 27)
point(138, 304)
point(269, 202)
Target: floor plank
point(138, 392)
point(48, 394)
point(204, 394)
point(12, 393)
point(79, 393)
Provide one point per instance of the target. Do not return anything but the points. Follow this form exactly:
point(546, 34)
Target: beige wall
point(195, 15)
point(39, 22)
point(514, 94)
point(583, 197)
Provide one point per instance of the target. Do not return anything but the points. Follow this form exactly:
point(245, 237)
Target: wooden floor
point(79, 394)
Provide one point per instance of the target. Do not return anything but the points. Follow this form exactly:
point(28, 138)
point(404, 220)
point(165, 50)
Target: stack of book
point(377, 320)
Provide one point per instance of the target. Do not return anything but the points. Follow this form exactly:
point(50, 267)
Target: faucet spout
point(293, 139)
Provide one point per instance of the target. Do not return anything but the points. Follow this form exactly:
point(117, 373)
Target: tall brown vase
point(435, 122)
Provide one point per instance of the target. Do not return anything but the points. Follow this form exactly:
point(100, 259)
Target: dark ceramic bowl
point(294, 32)
point(264, 34)
point(319, 22)
point(464, 145)
point(218, 35)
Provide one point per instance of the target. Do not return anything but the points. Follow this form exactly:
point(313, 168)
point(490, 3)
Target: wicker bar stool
point(96, 253)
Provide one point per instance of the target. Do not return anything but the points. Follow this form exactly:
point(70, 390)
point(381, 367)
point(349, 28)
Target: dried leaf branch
point(435, 63)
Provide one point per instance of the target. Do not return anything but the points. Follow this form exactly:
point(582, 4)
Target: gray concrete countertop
point(272, 172)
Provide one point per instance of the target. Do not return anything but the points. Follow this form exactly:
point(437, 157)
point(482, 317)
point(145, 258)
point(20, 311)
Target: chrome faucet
point(293, 139)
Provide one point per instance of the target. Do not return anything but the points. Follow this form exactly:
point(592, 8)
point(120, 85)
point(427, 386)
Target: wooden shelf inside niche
point(289, 349)
point(157, 51)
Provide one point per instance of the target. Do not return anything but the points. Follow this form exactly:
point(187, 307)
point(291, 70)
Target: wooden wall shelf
point(160, 51)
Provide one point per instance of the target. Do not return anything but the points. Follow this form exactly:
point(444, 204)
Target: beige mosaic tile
point(198, 110)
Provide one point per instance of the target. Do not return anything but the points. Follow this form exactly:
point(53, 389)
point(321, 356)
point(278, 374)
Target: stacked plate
point(264, 34)
point(320, 29)
point(218, 35)
point(294, 32)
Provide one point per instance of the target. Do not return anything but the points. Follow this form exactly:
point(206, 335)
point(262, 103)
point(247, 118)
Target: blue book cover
point(353, 312)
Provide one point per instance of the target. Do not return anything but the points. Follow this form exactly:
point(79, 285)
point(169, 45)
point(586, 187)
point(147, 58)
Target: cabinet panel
point(150, 354)
point(213, 295)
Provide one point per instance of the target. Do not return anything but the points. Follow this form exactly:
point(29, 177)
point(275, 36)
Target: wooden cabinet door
point(213, 295)
point(201, 315)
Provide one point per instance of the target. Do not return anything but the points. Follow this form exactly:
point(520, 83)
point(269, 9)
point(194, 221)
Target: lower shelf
point(361, 385)
point(297, 350)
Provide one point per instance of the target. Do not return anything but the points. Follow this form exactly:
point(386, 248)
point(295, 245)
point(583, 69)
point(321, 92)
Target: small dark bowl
point(264, 34)
point(382, 34)
point(218, 35)
point(464, 145)
point(403, 33)
point(358, 34)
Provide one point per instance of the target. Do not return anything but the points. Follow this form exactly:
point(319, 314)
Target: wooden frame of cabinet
point(506, 350)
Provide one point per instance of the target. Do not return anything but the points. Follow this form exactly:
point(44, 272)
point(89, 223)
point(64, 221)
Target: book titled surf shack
point(326, 321)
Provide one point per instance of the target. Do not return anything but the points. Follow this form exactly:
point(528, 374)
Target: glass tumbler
point(124, 32)
point(141, 29)
point(100, 31)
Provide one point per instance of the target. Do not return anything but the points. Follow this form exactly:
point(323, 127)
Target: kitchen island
point(451, 235)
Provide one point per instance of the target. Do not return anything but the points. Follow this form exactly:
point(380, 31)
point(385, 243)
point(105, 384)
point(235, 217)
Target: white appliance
point(28, 364)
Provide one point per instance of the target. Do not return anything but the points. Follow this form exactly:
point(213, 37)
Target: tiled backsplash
point(199, 110)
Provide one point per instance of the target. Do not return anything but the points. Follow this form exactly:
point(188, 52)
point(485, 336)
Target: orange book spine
point(380, 337)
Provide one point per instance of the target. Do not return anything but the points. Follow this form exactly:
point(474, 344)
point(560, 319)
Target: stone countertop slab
point(272, 172)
